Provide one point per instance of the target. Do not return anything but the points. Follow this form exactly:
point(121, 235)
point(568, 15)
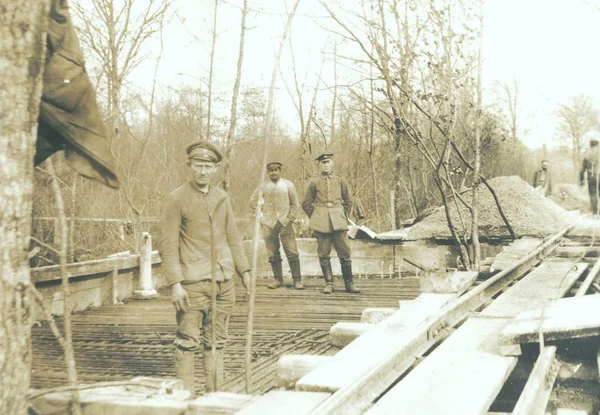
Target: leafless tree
point(576, 119)
point(234, 100)
point(115, 32)
point(22, 49)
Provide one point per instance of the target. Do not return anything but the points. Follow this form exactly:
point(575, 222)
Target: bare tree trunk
point(210, 71)
point(234, 99)
point(477, 163)
point(71, 251)
point(334, 100)
point(68, 339)
point(22, 49)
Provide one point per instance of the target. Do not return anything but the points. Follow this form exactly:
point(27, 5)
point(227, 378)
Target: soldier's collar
point(204, 190)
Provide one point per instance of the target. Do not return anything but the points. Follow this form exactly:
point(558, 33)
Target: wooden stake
point(267, 131)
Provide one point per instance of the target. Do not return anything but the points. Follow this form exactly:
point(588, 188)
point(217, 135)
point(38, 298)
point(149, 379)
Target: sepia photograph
point(299, 207)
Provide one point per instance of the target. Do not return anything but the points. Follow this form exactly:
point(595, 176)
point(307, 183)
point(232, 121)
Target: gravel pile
point(571, 197)
point(528, 211)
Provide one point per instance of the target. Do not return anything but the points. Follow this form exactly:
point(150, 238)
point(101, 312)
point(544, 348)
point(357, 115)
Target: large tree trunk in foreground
point(22, 47)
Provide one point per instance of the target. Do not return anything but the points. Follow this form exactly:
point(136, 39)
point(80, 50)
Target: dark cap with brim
point(274, 164)
point(327, 155)
point(204, 151)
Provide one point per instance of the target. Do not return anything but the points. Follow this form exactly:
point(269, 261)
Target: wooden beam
point(219, 403)
point(343, 333)
point(358, 394)
point(535, 395)
point(284, 402)
point(468, 370)
point(566, 318)
point(96, 266)
point(589, 279)
point(371, 349)
point(290, 368)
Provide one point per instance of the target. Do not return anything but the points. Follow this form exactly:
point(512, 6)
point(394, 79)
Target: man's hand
point(179, 297)
point(246, 281)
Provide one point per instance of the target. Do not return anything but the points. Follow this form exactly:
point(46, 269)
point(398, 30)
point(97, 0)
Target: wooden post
point(393, 209)
point(146, 290)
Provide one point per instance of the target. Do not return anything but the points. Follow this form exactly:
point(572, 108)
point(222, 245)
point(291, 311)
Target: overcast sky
point(549, 46)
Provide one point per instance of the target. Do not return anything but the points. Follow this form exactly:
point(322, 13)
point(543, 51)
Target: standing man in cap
point(280, 209)
point(197, 222)
point(590, 166)
point(542, 179)
point(328, 203)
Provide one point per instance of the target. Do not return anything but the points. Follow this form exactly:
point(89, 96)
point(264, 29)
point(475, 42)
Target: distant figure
point(328, 202)
point(280, 209)
point(542, 180)
point(589, 166)
point(197, 225)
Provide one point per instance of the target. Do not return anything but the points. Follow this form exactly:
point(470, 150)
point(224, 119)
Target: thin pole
point(256, 231)
point(213, 300)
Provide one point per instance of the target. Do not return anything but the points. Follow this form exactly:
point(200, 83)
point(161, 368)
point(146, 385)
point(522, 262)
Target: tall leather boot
point(347, 273)
point(210, 385)
point(277, 274)
point(184, 368)
point(328, 276)
point(296, 274)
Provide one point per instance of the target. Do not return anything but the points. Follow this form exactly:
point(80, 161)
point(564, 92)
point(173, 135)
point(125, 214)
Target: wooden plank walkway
point(567, 318)
point(467, 371)
point(368, 350)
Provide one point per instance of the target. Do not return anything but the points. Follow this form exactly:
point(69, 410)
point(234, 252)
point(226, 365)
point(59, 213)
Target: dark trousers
point(339, 239)
point(288, 240)
point(593, 191)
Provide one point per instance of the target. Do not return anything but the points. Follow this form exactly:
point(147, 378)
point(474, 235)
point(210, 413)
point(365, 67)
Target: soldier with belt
point(327, 203)
point(197, 222)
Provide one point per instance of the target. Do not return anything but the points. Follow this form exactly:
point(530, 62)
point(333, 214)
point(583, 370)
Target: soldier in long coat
point(328, 202)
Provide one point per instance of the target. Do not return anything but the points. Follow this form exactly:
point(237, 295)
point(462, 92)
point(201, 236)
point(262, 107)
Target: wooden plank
point(284, 402)
point(358, 395)
point(537, 390)
point(96, 266)
point(343, 333)
point(566, 318)
point(578, 251)
point(467, 363)
point(553, 278)
point(513, 252)
point(219, 403)
point(359, 356)
point(467, 371)
point(589, 279)
point(290, 368)
point(376, 315)
point(456, 283)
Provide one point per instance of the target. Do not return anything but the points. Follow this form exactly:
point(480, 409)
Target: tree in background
point(576, 119)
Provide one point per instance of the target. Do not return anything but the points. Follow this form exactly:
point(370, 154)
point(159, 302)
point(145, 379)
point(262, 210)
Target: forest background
point(393, 88)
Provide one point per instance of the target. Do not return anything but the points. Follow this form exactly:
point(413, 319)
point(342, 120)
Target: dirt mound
point(570, 196)
point(528, 211)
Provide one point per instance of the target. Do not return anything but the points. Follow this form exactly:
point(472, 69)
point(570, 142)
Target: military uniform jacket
point(185, 236)
point(589, 164)
point(280, 203)
point(327, 202)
